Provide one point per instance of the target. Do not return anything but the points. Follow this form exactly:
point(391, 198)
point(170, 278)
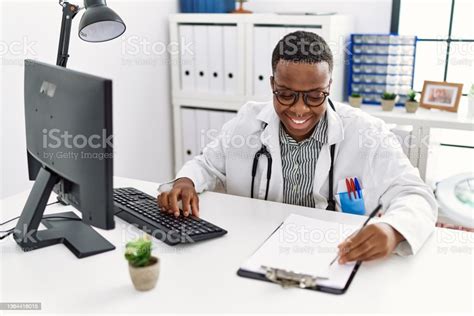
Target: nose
point(300, 108)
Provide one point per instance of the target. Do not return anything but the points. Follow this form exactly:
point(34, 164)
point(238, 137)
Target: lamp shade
point(99, 23)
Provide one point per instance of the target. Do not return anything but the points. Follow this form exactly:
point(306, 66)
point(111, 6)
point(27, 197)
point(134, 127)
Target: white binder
point(315, 30)
point(187, 72)
point(261, 61)
point(216, 120)
point(202, 127)
point(201, 58)
point(216, 58)
point(188, 125)
point(294, 29)
point(231, 51)
point(276, 34)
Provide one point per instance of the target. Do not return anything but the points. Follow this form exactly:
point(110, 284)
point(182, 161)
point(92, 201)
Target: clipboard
point(289, 279)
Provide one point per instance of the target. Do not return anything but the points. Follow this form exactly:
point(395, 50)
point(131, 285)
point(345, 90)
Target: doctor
point(283, 151)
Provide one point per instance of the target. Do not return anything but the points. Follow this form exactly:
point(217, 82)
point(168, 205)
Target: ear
point(329, 86)
point(272, 80)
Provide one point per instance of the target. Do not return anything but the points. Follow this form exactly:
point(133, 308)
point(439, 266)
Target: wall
point(371, 16)
point(142, 111)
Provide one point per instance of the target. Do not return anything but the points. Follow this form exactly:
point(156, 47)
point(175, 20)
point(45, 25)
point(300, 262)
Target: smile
point(299, 120)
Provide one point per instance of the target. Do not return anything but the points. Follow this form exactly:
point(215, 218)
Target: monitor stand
point(77, 236)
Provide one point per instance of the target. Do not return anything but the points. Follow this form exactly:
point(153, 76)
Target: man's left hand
point(371, 242)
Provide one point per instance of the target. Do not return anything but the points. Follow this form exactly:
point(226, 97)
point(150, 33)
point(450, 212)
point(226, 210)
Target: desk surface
point(438, 279)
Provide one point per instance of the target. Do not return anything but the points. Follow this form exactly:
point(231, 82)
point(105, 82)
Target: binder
point(312, 270)
point(187, 71)
point(276, 34)
point(261, 61)
point(188, 129)
point(294, 29)
point(216, 58)
point(318, 31)
point(231, 73)
point(201, 57)
point(202, 127)
point(216, 121)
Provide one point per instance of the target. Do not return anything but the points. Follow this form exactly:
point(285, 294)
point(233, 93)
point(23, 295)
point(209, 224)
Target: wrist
point(183, 181)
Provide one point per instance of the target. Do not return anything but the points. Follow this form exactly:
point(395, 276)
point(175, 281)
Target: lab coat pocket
point(350, 196)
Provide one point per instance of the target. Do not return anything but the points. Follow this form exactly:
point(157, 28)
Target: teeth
point(298, 121)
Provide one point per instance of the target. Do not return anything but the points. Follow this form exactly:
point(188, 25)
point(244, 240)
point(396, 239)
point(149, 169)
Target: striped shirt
point(299, 164)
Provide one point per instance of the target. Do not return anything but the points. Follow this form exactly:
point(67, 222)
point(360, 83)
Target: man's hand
point(371, 242)
point(183, 189)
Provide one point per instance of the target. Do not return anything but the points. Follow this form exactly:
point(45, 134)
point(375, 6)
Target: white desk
point(202, 277)
point(422, 121)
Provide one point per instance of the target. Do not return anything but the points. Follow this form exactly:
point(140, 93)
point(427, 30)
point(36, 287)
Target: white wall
point(371, 16)
point(142, 110)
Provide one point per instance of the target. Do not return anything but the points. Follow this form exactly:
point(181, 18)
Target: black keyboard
point(141, 210)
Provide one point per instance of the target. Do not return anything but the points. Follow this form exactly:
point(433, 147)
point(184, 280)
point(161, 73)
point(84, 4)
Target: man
point(298, 131)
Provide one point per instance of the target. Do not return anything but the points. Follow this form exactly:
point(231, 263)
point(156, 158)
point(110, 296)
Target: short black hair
point(302, 47)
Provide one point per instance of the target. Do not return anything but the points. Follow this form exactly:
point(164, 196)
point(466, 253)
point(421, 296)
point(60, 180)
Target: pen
point(353, 188)
point(357, 186)
point(349, 188)
point(374, 212)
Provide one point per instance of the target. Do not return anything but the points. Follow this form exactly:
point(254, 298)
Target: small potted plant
point(355, 100)
point(143, 267)
point(388, 101)
point(411, 105)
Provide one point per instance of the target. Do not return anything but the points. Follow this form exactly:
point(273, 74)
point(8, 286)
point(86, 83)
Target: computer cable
point(52, 216)
point(12, 219)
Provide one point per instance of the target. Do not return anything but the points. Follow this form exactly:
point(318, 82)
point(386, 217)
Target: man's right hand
point(183, 189)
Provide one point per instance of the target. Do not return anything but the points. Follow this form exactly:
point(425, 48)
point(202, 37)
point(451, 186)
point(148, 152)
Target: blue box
point(207, 6)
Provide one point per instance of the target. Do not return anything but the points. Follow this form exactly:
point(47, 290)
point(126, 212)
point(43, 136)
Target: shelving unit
point(379, 63)
point(230, 64)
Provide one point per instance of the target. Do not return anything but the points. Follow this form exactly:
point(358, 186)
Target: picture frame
point(441, 95)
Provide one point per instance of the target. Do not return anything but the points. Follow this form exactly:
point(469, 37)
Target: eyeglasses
point(312, 98)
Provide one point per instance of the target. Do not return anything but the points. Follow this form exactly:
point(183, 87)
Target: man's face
point(299, 120)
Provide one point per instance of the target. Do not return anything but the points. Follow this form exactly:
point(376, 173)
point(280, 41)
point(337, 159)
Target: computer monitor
point(68, 116)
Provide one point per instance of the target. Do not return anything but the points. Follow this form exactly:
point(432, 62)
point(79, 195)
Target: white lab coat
point(365, 149)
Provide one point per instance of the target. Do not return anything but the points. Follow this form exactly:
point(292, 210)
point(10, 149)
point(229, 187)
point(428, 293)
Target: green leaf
point(411, 95)
point(388, 96)
point(138, 252)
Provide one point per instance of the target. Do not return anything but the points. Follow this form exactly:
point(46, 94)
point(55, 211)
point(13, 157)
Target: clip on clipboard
point(270, 262)
point(289, 278)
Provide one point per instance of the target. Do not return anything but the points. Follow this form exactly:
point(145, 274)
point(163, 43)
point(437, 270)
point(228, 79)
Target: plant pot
point(411, 106)
point(387, 105)
point(355, 101)
point(144, 278)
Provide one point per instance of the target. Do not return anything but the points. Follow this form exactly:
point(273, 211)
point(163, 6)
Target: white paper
point(305, 245)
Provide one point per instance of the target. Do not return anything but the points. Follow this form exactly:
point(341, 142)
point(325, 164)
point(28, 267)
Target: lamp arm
point(69, 12)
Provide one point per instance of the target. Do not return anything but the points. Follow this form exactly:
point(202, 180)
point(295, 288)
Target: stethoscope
point(263, 151)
